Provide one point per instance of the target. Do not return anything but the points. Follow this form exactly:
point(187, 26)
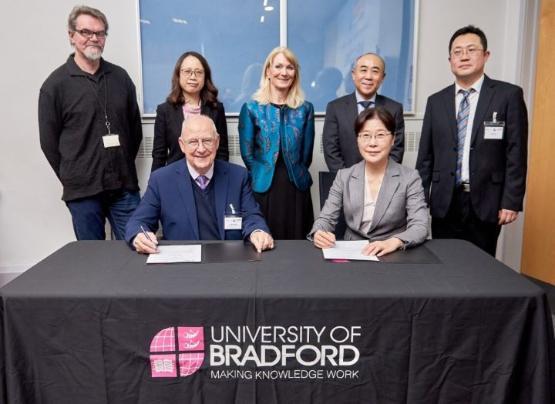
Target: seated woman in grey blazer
point(382, 200)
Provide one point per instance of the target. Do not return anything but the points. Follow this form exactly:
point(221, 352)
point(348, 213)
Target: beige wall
point(538, 259)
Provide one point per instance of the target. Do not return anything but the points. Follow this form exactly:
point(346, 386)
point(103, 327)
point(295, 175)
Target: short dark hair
point(470, 29)
point(379, 113)
point(208, 93)
point(80, 10)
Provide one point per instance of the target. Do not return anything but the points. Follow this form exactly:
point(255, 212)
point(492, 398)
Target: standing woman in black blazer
point(192, 93)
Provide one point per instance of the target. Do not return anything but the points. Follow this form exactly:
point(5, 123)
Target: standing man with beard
point(90, 130)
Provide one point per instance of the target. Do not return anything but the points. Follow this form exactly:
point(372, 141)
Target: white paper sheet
point(348, 250)
point(176, 253)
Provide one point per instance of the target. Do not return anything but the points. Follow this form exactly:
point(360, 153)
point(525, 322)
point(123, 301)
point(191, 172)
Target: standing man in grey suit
point(473, 148)
point(339, 138)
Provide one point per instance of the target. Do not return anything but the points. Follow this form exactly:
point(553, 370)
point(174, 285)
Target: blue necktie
point(202, 181)
point(366, 104)
point(462, 123)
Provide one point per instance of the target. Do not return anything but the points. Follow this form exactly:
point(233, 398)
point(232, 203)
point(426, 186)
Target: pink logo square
point(189, 363)
point(164, 341)
point(190, 338)
point(163, 365)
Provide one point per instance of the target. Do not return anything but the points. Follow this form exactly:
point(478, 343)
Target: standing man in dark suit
point(197, 198)
point(473, 148)
point(339, 137)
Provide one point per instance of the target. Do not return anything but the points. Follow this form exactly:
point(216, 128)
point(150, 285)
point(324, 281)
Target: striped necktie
point(202, 181)
point(462, 123)
point(366, 104)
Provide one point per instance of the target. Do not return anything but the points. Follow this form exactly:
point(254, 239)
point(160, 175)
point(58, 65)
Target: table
point(92, 323)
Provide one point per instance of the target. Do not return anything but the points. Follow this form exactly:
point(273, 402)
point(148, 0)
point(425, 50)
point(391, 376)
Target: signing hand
point(324, 239)
point(145, 246)
point(379, 248)
point(507, 216)
point(261, 241)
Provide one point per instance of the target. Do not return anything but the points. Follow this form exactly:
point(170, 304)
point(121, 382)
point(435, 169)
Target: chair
point(325, 181)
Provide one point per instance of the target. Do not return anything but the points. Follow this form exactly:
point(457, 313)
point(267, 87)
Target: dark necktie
point(366, 104)
point(462, 123)
point(202, 181)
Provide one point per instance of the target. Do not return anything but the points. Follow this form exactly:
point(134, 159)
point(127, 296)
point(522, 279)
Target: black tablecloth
point(77, 328)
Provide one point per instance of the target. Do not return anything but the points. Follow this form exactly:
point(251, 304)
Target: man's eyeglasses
point(379, 137)
point(208, 143)
point(85, 33)
point(471, 51)
point(190, 72)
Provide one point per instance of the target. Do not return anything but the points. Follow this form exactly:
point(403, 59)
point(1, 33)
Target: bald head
point(199, 142)
point(374, 56)
point(195, 123)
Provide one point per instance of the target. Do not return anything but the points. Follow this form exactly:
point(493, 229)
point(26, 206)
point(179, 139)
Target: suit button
point(454, 149)
point(452, 174)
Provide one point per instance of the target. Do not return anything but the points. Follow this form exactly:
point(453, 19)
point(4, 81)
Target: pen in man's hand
point(146, 234)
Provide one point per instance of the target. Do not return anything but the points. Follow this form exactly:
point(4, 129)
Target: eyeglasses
point(85, 33)
point(190, 72)
point(379, 137)
point(208, 143)
point(471, 51)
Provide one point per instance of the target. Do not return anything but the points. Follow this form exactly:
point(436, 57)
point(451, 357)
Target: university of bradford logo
point(171, 352)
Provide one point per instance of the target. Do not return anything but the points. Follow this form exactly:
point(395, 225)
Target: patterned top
point(265, 130)
point(189, 110)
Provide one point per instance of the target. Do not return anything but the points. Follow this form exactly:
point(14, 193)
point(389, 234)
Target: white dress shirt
point(194, 174)
point(472, 103)
point(360, 98)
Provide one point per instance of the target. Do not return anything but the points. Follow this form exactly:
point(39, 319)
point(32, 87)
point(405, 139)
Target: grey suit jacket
point(339, 138)
point(400, 211)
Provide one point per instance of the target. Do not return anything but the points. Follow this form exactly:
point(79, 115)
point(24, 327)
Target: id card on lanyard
point(493, 130)
point(232, 219)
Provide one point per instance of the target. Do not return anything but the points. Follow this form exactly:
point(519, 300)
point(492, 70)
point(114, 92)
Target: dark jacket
point(339, 138)
point(497, 167)
point(170, 199)
point(71, 109)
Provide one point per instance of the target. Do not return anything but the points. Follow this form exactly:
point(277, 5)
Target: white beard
point(93, 53)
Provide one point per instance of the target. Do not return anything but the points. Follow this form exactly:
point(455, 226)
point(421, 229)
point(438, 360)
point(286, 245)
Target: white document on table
point(348, 250)
point(176, 253)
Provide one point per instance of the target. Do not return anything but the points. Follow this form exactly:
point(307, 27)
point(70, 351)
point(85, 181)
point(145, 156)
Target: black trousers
point(462, 223)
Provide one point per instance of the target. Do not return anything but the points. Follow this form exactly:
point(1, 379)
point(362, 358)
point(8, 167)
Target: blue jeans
point(89, 214)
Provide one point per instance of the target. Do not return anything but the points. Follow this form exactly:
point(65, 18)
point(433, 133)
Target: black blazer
point(167, 129)
point(339, 137)
point(497, 167)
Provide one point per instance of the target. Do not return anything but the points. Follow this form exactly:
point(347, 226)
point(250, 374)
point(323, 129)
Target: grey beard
point(93, 55)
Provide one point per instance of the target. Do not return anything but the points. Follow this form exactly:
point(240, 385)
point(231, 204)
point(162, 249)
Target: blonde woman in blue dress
point(276, 133)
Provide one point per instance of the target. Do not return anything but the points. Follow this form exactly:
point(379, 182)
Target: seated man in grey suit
point(340, 146)
point(197, 198)
point(382, 200)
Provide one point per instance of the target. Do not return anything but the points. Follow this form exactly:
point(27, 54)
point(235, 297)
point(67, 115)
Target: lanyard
point(104, 107)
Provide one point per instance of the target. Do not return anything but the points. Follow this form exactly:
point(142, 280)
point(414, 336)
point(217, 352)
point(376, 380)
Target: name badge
point(111, 140)
point(233, 222)
point(232, 219)
point(493, 130)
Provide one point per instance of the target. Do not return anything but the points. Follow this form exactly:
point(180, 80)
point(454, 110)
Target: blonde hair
point(295, 96)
